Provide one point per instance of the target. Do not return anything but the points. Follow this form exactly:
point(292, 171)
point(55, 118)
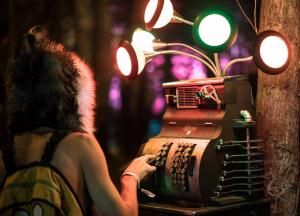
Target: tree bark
point(12, 32)
point(84, 24)
point(102, 62)
point(278, 110)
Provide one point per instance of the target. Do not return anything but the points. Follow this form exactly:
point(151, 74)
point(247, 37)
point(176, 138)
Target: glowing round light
point(271, 52)
point(124, 61)
point(143, 40)
point(150, 10)
point(130, 59)
point(214, 30)
point(165, 16)
point(158, 13)
point(274, 52)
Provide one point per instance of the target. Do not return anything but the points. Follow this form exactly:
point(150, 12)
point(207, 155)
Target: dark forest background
point(128, 113)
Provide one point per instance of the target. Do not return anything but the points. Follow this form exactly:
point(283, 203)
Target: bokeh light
point(158, 105)
point(114, 95)
point(184, 67)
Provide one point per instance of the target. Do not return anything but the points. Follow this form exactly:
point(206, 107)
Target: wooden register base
point(255, 208)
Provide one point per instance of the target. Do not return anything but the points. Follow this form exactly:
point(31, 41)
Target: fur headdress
point(49, 86)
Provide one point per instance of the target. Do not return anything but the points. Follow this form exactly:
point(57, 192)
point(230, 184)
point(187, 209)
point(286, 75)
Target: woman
point(49, 90)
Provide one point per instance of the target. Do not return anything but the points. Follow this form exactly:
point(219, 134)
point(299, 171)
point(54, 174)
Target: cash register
point(207, 153)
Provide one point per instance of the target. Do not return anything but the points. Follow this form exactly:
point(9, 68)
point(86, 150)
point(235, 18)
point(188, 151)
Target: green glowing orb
point(214, 30)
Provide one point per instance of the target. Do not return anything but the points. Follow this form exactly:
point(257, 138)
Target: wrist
point(128, 176)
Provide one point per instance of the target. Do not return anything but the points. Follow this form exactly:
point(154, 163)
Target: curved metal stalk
point(218, 66)
point(195, 50)
point(150, 56)
point(177, 18)
point(234, 61)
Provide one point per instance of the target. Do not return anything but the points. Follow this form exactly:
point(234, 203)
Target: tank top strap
point(7, 153)
point(51, 146)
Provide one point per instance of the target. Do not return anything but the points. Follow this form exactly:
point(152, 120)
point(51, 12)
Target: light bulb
point(143, 40)
point(150, 10)
point(166, 15)
point(271, 52)
point(158, 13)
point(124, 61)
point(214, 30)
point(274, 51)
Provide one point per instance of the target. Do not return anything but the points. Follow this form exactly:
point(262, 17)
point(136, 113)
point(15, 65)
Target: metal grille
point(186, 97)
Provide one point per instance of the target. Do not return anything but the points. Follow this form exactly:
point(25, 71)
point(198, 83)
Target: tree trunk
point(84, 24)
point(12, 32)
point(102, 62)
point(278, 110)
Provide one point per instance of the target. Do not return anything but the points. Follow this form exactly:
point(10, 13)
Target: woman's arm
point(102, 190)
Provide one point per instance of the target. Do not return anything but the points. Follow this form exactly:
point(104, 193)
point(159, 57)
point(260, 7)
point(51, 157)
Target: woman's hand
point(141, 168)
point(102, 190)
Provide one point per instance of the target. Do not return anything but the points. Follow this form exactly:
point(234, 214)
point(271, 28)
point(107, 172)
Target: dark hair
point(46, 85)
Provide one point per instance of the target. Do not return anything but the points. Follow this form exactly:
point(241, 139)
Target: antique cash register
point(207, 151)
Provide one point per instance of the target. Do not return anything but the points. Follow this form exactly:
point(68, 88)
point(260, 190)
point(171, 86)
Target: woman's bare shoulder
point(81, 142)
point(78, 136)
point(81, 138)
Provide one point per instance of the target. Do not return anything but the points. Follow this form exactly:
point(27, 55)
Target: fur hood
point(49, 86)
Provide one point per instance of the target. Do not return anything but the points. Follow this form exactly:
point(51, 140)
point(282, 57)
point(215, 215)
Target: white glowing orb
point(274, 52)
point(150, 10)
point(165, 16)
point(143, 40)
point(124, 61)
point(140, 57)
point(214, 30)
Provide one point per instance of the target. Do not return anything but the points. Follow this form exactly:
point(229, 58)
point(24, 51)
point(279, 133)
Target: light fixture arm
point(152, 55)
point(179, 19)
point(234, 61)
point(157, 44)
point(195, 50)
point(218, 66)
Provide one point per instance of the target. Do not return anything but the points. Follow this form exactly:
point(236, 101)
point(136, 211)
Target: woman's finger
point(147, 157)
point(151, 169)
